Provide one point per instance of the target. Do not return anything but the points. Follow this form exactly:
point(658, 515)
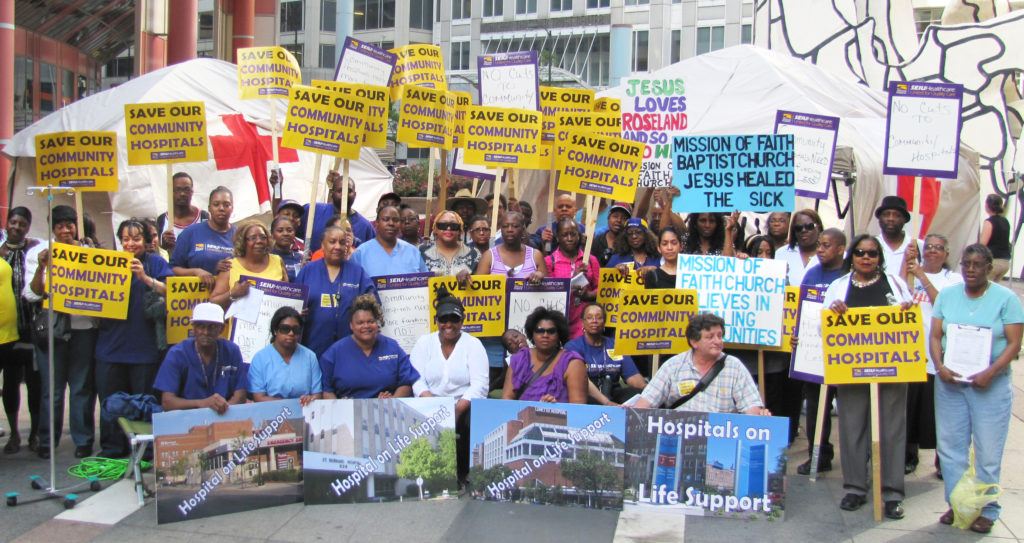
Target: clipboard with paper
point(968, 349)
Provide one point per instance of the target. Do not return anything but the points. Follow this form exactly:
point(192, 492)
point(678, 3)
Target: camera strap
point(702, 384)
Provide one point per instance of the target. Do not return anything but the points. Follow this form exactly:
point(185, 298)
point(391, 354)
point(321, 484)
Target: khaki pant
point(999, 268)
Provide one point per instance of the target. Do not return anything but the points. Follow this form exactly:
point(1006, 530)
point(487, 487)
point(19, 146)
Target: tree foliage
point(589, 473)
point(437, 467)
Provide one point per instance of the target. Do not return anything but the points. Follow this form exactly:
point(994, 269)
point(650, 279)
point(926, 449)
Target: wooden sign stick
point(876, 454)
point(916, 220)
point(81, 216)
point(496, 202)
point(590, 226)
point(169, 225)
point(344, 188)
point(430, 188)
point(655, 361)
point(760, 377)
point(819, 425)
point(313, 197)
point(442, 201)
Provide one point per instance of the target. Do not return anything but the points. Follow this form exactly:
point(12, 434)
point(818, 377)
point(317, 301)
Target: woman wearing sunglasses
point(867, 284)
point(252, 258)
point(285, 369)
point(447, 254)
point(802, 251)
point(546, 372)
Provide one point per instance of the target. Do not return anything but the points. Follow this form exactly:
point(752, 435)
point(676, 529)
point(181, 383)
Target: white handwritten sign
point(523, 298)
point(814, 144)
point(253, 336)
point(808, 362)
point(406, 303)
point(509, 80)
point(922, 130)
point(362, 62)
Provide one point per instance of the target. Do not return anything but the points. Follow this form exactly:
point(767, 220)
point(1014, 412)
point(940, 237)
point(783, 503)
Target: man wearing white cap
point(205, 370)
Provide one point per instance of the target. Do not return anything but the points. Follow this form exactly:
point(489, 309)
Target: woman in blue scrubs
point(367, 364)
point(205, 249)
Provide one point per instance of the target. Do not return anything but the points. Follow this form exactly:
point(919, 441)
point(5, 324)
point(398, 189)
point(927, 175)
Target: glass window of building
point(677, 45)
point(327, 55)
point(83, 87)
point(460, 9)
point(925, 17)
point(747, 34)
point(328, 15)
point(710, 38)
point(374, 14)
point(420, 14)
point(22, 92)
point(494, 8)
point(296, 50)
point(291, 16)
point(67, 87)
point(47, 87)
point(637, 2)
point(639, 51)
point(561, 5)
point(460, 55)
point(526, 7)
point(206, 25)
point(596, 74)
point(593, 4)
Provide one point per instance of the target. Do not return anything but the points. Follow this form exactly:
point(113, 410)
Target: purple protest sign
point(922, 131)
point(459, 167)
point(808, 360)
point(509, 80)
point(814, 147)
point(523, 298)
point(366, 63)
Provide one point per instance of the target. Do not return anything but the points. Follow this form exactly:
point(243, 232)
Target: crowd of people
point(334, 348)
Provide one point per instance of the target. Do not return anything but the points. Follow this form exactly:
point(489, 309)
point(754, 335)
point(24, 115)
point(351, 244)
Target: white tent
point(237, 156)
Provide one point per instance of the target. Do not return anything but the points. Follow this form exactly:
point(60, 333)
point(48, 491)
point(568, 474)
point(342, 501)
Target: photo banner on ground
point(611, 284)
point(165, 132)
point(365, 63)
point(375, 131)
point(405, 300)
point(749, 294)
point(814, 147)
point(267, 72)
point(807, 362)
point(653, 113)
point(208, 464)
point(418, 64)
point(602, 166)
point(325, 122)
point(427, 118)
point(733, 173)
point(90, 282)
point(412, 440)
point(706, 464)
point(547, 453)
point(503, 137)
point(509, 80)
point(483, 297)
point(86, 161)
point(523, 298)
point(874, 345)
point(654, 321)
point(922, 130)
point(251, 332)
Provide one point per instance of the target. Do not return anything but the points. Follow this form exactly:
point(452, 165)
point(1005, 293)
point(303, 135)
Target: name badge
point(613, 356)
point(685, 387)
point(326, 300)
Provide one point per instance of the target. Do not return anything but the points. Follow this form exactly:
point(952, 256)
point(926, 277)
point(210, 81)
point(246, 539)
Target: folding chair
point(141, 435)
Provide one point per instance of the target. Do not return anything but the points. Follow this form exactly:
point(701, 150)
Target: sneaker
point(823, 466)
point(982, 525)
point(894, 509)
point(852, 502)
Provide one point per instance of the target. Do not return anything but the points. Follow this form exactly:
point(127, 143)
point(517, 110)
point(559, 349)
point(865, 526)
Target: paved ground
point(812, 513)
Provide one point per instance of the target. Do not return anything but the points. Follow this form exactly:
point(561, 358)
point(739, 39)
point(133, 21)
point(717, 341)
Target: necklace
point(864, 284)
point(16, 246)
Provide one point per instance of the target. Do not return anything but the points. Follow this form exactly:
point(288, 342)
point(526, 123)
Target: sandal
point(13, 444)
point(982, 525)
point(947, 518)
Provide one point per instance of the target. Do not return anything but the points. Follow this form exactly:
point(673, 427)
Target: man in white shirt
point(892, 215)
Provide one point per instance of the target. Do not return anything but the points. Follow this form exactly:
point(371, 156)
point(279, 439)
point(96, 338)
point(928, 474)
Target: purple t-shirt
point(552, 383)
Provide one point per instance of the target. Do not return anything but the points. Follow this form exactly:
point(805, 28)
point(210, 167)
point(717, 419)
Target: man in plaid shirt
point(732, 391)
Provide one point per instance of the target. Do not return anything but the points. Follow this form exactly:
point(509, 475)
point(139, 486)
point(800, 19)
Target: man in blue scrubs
point(203, 371)
point(362, 229)
point(387, 254)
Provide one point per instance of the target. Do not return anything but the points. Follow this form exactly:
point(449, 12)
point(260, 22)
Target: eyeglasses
point(805, 227)
point(935, 246)
point(449, 319)
point(545, 331)
point(861, 253)
point(480, 229)
point(968, 265)
point(284, 329)
point(449, 226)
point(253, 239)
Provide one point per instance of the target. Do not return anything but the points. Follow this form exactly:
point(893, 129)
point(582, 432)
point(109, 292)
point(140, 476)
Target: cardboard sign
point(613, 105)
point(405, 300)
point(789, 312)
point(653, 113)
point(537, 451)
point(874, 345)
point(814, 147)
point(426, 118)
point(729, 173)
point(922, 130)
point(555, 100)
point(602, 166)
point(462, 101)
point(706, 464)
point(749, 294)
point(807, 363)
point(484, 300)
point(371, 450)
point(654, 321)
point(86, 161)
point(253, 334)
point(503, 137)
point(165, 132)
point(364, 63)
point(509, 80)
point(208, 464)
point(326, 122)
point(90, 282)
point(611, 284)
point(375, 131)
point(419, 64)
point(267, 72)
point(523, 298)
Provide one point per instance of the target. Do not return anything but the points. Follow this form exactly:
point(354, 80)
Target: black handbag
point(40, 328)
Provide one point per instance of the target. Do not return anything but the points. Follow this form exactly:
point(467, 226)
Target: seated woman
point(546, 372)
point(366, 364)
point(604, 367)
point(285, 369)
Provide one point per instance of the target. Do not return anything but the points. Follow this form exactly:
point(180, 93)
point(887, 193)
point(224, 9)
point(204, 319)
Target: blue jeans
point(963, 412)
point(74, 368)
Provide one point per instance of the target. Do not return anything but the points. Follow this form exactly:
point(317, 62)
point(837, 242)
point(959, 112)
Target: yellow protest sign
point(266, 72)
point(608, 104)
point(375, 131)
point(654, 321)
point(502, 137)
point(418, 64)
point(84, 160)
point(183, 294)
point(607, 167)
point(324, 121)
point(484, 299)
point(165, 132)
point(462, 101)
point(426, 118)
point(610, 286)
point(874, 345)
point(555, 100)
point(602, 124)
point(789, 311)
point(90, 282)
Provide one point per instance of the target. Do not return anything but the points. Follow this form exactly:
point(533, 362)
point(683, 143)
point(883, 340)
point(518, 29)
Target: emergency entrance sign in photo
point(166, 132)
point(326, 122)
point(84, 160)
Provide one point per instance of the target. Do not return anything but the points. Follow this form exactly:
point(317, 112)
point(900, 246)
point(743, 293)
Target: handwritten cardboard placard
point(86, 161)
point(874, 345)
point(509, 80)
point(426, 118)
point(922, 130)
point(90, 282)
point(165, 132)
point(418, 64)
point(375, 131)
point(523, 298)
point(326, 122)
point(502, 137)
point(807, 363)
point(253, 336)
point(267, 72)
point(654, 321)
point(814, 147)
point(405, 300)
point(364, 63)
point(483, 296)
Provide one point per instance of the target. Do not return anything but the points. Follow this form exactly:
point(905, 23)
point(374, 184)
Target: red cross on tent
point(246, 147)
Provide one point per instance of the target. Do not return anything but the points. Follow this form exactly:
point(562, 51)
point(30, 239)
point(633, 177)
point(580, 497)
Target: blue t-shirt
point(349, 373)
point(995, 309)
point(270, 374)
point(404, 258)
point(600, 361)
point(133, 340)
point(200, 246)
point(329, 301)
point(362, 229)
point(292, 261)
point(185, 375)
point(819, 277)
point(616, 259)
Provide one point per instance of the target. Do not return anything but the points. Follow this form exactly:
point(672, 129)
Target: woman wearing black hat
point(452, 364)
